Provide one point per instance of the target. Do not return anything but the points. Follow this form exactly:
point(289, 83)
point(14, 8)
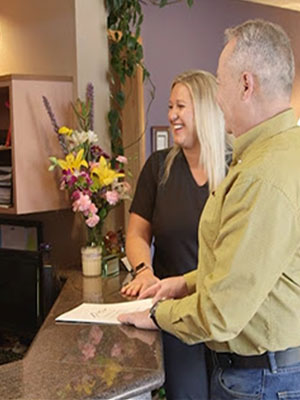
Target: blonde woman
point(171, 193)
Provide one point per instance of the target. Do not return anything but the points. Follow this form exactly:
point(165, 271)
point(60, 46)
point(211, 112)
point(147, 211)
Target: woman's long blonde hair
point(209, 124)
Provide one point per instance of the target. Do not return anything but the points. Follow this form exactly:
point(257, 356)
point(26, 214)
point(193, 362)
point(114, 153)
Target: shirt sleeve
point(258, 237)
point(145, 194)
point(190, 280)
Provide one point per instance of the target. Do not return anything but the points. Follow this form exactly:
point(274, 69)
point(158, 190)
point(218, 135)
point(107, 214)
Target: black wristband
point(139, 268)
point(152, 312)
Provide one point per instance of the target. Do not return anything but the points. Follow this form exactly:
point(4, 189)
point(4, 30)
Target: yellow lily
point(65, 131)
point(73, 163)
point(105, 174)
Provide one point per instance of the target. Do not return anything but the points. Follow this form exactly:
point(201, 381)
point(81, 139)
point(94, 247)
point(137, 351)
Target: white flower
point(77, 138)
point(92, 137)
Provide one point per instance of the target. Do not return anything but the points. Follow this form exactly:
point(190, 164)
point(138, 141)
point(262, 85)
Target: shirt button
point(239, 161)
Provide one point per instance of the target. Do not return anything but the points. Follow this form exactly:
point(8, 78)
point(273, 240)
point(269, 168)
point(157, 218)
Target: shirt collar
point(270, 127)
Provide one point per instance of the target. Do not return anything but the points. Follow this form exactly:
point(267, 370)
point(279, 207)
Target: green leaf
point(139, 52)
point(122, 77)
point(146, 74)
point(190, 2)
point(115, 132)
point(138, 32)
point(113, 117)
point(131, 43)
point(102, 213)
point(141, 19)
point(138, 7)
point(163, 3)
point(117, 3)
point(120, 97)
point(111, 20)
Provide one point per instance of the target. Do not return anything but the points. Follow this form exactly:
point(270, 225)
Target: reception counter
point(81, 361)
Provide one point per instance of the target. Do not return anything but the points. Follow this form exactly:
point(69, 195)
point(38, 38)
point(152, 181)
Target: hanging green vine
point(124, 21)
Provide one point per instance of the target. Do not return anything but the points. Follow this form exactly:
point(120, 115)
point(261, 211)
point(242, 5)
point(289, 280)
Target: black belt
point(283, 358)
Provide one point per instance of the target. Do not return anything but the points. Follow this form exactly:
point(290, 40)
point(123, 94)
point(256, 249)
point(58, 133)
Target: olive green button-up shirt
point(244, 296)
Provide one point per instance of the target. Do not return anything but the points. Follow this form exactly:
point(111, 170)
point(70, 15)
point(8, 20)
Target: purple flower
point(68, 178)
point(90, 98)
point(86, 177)
point(54, 124)
point(97, 152)
point(75, 195)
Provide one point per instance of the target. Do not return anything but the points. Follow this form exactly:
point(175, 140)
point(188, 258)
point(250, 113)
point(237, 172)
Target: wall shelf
point(33, 141)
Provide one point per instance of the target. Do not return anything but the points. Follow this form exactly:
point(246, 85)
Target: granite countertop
point(81, 361)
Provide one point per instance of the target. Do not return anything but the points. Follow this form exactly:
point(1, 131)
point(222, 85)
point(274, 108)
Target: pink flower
point(90, 211)
point(92, 220)
point(62, 185)
point(93, 164)
point(93, 209)
point(116, 350)
point(122, 159)
point(82, 204)
point(112, 197)
point(95, 335)
point(88, 351)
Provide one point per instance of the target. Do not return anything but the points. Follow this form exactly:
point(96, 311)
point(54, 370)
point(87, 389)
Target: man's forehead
point(226, 52)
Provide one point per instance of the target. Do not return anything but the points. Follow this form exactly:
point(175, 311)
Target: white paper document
point(103, 313)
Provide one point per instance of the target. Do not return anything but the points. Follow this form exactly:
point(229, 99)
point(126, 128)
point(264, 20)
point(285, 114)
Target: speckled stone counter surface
point(77, 361)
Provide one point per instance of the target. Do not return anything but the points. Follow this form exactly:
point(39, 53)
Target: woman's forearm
point(138, 251)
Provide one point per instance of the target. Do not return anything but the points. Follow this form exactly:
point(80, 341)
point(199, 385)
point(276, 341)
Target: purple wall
point(177, 38)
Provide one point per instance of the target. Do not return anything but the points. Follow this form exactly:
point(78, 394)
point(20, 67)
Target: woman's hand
point(140, 283)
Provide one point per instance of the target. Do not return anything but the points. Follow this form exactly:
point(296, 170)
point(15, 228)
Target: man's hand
point(139, 284)
point(140, 320)
point(169, 288)
point(145, 336)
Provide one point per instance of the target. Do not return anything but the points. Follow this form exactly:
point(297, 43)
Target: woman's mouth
point(177, 127)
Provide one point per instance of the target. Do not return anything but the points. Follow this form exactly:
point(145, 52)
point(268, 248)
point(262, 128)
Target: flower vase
point(91, 260)
point(92, 289)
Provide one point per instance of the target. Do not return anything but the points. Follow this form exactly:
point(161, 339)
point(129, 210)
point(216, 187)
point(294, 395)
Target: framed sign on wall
point(160, 137)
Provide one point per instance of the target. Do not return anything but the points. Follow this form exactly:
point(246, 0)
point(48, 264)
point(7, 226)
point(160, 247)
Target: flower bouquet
point(95, 181)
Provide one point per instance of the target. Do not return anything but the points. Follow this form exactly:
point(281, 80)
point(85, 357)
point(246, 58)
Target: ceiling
point(288, 4)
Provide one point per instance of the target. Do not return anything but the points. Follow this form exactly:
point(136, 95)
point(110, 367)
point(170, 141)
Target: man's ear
point(247, 85)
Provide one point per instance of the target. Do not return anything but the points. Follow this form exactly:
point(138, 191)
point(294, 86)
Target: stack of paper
point(5, 185)
point(103, 313)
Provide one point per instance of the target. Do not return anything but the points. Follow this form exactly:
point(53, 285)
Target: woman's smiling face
point(181, 117)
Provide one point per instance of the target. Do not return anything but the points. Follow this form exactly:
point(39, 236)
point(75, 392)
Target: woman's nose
point(173, 116)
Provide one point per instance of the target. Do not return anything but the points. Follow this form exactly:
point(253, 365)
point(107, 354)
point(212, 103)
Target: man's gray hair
point(264, 49)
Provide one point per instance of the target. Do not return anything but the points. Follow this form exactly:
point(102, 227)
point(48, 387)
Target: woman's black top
point(174, 210)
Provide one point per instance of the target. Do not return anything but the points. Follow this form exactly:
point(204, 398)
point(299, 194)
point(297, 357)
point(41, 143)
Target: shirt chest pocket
point(211, 218)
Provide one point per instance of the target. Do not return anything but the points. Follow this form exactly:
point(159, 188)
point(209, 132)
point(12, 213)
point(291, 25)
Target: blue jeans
point(256, 384)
